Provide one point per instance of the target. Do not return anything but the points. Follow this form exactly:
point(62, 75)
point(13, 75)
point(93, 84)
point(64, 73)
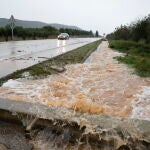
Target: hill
point(35, 24)
point(58, 26)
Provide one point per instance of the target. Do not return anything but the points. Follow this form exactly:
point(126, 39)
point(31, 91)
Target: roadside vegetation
point(46, 32)
point(134, 41)
point(137, 55)
point(46, 68)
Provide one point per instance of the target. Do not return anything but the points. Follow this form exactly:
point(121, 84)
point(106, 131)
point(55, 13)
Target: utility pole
point(12, 25)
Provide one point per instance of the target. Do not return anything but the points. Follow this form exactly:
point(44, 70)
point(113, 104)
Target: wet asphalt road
point(17, 55)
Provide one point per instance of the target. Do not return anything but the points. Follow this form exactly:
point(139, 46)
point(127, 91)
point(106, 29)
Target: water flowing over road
point(100, 85)
point(16, 55)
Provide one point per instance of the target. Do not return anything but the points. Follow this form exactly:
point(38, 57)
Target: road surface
point(17, 55)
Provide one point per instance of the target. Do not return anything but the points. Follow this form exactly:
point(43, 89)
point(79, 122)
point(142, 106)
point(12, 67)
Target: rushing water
point(99, 86)
point(59, 135)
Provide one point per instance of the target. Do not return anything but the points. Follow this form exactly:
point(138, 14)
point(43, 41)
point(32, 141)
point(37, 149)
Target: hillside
point(58, 26)
point(35, 24)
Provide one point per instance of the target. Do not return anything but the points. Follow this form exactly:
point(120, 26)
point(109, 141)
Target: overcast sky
point(101, 15)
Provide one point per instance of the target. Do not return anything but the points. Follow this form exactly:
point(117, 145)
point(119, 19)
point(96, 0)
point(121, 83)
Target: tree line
point(138, 31)
point(40, 33)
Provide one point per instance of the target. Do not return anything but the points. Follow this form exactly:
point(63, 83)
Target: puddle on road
point(100, 85)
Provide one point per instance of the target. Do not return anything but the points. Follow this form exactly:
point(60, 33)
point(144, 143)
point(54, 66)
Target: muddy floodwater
point(101, 85)
point(17, 55)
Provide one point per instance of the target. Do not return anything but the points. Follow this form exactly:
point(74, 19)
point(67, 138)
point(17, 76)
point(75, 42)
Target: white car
point(63, 36)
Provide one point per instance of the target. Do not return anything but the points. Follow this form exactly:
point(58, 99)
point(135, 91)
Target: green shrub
point(138, 55)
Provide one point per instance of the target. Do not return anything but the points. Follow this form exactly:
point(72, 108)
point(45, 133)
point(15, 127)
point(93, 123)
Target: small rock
point(59, 69)
point(25, 74)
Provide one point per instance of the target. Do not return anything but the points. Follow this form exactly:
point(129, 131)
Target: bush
point(138, 31)
point(138, 55)
point(130, 47)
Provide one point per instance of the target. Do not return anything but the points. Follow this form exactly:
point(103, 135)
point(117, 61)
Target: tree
point(137, 31)
point(91, 33)
point(97, 34)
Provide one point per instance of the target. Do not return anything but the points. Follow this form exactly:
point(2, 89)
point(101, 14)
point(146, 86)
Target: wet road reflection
point(62, 44)
point(22, 54)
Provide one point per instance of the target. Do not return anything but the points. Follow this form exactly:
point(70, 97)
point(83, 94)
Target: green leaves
point(138, 55)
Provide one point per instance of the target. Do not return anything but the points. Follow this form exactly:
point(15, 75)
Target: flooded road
point(101, 85)
point(17, 55)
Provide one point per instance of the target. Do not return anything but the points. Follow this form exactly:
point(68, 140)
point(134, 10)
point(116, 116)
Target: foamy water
point(100, 85)
point(141, 108)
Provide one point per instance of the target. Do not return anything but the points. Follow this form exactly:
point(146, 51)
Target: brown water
point(63, 136)
point(100, 85)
